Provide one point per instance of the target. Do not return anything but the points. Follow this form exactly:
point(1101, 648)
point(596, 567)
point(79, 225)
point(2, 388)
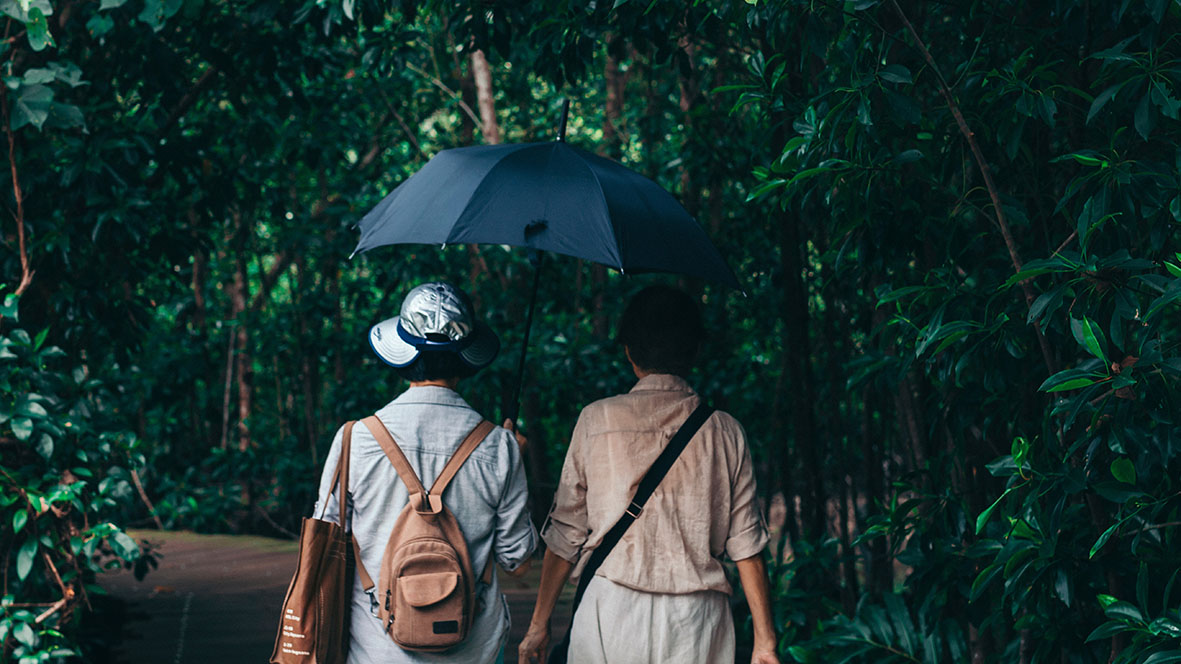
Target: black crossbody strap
point(647, 485)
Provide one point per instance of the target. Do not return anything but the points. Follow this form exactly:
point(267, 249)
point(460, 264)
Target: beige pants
point(618, 625)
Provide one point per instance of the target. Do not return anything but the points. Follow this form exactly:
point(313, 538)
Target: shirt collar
point(430, 394)
point(662, 383)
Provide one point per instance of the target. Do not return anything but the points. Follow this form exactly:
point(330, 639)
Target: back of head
point(435, 336)
point(662, 330)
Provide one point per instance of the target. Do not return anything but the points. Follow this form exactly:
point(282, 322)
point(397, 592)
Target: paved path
point(216, 599)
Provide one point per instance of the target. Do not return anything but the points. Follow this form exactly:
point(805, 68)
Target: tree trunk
point(309, 376)
point(482, 74)
point(490, 130)
point(467, 90)
point(200, 272)
point(611, 148)
point(798, 349)
point(878, 576)
point(244, 360)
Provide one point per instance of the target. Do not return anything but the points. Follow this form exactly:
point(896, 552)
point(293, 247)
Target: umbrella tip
point(562, 124)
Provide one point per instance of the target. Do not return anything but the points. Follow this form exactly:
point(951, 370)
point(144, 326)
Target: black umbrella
point(545, 196)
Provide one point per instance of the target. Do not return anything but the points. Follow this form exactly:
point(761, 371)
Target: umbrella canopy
point(549, 196)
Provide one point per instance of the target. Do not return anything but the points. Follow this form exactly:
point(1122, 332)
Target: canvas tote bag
point(313, 628)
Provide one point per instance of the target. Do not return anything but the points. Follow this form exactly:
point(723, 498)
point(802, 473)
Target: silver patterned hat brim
point(477, 353)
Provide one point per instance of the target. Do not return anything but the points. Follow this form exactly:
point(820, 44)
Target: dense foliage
point(956, 226)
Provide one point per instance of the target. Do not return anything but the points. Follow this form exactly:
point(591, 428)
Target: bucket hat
point(435, 317)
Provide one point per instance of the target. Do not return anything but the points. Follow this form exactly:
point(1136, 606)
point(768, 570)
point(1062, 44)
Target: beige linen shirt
point(705, 507)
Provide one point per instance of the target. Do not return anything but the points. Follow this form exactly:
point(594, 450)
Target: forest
point(956, 349)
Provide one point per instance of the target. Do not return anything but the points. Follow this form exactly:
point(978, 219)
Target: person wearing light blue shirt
point(434, 343)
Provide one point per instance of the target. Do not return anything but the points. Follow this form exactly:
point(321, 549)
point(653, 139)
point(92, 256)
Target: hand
point(522, 441)
point(535, 646)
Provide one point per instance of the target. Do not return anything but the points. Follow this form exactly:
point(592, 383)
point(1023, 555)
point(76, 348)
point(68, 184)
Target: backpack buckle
point(373, 604)
point(633, 510)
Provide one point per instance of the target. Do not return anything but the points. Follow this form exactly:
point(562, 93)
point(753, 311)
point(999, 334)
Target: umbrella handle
point(535, 257)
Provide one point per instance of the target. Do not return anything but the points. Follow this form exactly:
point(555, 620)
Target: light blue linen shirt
point(488, 496)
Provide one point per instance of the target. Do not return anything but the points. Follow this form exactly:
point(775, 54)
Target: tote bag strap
point(340, 478)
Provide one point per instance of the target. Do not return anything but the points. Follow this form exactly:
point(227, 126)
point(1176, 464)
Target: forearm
point(752, 572)
point(554, 572)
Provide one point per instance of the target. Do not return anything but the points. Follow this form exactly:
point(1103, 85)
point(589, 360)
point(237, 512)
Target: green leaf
point(766, 188)
point(1073, 384)
point(10, 309)
point(1124, 470)
point(31, 106)
point(896, 74)
point(1164, 657)
point(1089, 336)
point(1173, 269)
point(20, 9)
point(19, 519)
point(38, 30)
point(68, 73)
point(24, 558)
point(1102, 99)
point(1019, 450)
point(1157, 9)
point(1168, 297)
point(124, 546)
point(111, 4)
point(1125, 610)
point(22, 428)
point(1107, 630)
point(1105, 600)
point(25, 634)
point(982, 520)
point(899, 293)
point(45, 446)
point(157, 12)
point(1103, 538)
point(32, 410)
point(38, 75)
point(907, 157)
point(65, 116)
point(1145, 118)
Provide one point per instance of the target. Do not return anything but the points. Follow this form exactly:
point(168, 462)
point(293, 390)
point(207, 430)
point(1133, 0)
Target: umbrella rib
point(603, 195)
point(472, 197)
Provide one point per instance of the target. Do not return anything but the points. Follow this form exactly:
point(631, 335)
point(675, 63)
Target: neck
point(448, 383)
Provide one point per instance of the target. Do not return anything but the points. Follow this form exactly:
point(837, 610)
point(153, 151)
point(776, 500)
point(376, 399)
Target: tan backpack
point(426, 589)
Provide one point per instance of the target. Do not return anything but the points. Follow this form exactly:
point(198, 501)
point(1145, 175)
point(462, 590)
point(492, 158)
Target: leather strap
point(391, 449)
point(465, 450)
point(340, 477)
point(366, 581)
point(411, 480)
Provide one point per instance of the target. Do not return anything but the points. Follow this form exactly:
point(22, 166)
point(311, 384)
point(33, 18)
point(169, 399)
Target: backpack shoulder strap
point(465, 450)
point(391, 449)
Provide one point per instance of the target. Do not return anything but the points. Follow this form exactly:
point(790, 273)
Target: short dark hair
point(435, 365)
point(662, 330)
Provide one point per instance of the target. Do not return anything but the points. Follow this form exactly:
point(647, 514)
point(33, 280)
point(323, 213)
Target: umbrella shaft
point(515, 408)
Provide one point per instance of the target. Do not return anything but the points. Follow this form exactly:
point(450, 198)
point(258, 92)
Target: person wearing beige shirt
point(661, 595)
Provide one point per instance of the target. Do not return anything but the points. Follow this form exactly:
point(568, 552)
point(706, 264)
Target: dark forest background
point(956, 223)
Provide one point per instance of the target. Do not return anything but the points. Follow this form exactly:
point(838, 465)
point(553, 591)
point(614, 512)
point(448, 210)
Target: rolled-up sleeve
point(516, 538)
point(748, 531)
point(565, 530)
